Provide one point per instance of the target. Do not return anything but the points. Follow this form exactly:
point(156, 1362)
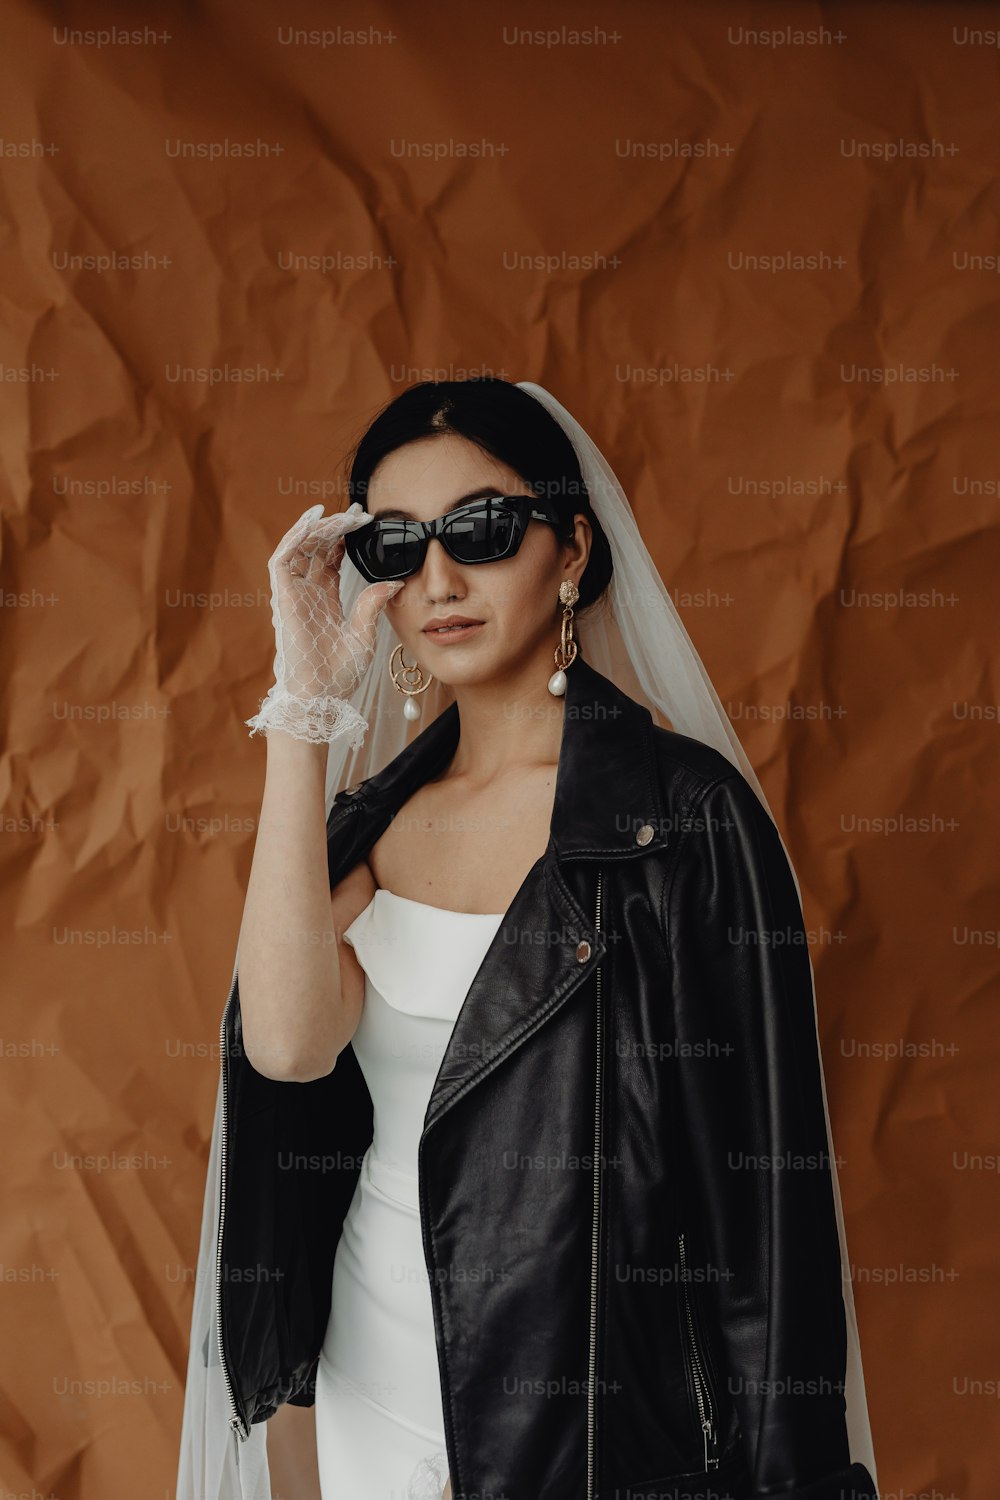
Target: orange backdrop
point(754, 249)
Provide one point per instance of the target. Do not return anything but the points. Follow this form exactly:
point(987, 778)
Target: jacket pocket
point(701, 1377)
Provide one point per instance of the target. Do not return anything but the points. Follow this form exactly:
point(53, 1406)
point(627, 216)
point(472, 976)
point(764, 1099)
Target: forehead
point(428, 476)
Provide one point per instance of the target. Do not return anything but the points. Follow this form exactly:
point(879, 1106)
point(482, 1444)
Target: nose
point(441, 576)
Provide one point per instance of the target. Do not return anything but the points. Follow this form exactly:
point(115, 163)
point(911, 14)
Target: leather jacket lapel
point(530, 969)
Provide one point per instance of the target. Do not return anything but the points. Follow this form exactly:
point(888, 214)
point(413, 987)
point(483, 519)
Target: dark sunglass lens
point(388, 548)
point(482, 533)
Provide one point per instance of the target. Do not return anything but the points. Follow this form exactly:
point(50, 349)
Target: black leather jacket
point(625, 1197)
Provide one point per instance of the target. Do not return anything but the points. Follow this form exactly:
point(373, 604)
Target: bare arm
point(298, 1012)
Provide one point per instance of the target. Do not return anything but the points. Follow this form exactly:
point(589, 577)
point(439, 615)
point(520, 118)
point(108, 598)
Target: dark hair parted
point(505, 422)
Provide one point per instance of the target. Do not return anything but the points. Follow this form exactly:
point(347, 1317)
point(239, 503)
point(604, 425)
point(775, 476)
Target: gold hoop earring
point(565, 653)
point(411, 684)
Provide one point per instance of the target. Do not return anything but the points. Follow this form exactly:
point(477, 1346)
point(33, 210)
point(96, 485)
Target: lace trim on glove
point(318, 720)
point(429, 1478)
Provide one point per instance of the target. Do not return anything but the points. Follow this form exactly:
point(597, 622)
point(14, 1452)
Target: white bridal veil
point(637, 639)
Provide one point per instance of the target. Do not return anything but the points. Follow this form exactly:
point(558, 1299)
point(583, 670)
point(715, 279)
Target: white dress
point(379, 1420)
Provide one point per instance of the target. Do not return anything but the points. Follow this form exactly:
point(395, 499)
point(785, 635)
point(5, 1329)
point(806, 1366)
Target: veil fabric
point(638, 640)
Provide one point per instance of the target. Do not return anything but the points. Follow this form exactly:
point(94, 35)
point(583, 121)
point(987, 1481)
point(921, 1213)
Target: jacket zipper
point(595, 1230)
point(699, 1374)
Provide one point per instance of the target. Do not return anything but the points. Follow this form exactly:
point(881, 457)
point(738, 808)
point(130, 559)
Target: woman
point(445, 1142)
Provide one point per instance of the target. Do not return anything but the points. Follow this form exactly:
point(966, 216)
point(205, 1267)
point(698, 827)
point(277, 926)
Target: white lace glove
point(320, 658)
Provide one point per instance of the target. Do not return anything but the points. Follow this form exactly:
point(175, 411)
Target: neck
point(509, 723)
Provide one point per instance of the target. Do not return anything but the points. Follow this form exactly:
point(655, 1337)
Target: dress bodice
point(419, 962)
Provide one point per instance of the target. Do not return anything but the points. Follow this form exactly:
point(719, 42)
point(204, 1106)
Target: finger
point(313, 527)
point(326, 552)
point(327, 538)
point(344, 521)
point(296, 534)
point(370, 602)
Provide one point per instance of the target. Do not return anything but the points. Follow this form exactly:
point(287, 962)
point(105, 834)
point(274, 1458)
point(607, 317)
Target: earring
point(412, 683)
point(565, 653)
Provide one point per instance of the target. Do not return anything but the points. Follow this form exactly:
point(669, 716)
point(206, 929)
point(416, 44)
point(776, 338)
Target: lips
point(452, 628)
point(447, 622)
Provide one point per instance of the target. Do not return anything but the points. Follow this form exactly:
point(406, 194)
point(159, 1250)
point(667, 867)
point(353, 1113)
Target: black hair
point(505, 422)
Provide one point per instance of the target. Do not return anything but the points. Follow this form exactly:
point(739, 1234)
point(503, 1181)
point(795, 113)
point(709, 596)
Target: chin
point(475, 668)
point(469, 675)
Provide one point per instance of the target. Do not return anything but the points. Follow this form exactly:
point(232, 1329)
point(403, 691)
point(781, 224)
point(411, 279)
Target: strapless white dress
point(379, 1419)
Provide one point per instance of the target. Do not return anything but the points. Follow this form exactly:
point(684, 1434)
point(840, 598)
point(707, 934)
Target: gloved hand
point(320, 657)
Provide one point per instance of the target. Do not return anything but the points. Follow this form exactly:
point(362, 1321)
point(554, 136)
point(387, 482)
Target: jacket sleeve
point(750, 1111)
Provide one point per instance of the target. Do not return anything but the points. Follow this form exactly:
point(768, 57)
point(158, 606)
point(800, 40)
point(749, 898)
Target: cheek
point(522, 598)
point(401, 611)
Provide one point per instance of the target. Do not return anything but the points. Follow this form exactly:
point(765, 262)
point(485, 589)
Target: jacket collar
point(607, 802)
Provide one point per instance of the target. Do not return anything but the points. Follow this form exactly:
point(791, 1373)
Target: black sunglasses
point(483, 531)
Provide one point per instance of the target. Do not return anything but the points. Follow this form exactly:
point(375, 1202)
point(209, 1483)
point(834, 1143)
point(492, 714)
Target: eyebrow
point(485, 492)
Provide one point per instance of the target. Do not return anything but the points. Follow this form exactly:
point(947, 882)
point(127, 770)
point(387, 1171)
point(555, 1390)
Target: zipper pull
point(709, 1433)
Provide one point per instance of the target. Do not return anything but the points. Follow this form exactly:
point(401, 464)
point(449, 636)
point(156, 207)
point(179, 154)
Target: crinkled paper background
point(762, 271)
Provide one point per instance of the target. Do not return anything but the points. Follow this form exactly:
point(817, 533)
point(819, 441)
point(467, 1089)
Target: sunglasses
point(483, 531)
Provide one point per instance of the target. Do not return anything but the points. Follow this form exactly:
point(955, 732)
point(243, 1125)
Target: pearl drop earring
point(411, 684)
point(565, 652)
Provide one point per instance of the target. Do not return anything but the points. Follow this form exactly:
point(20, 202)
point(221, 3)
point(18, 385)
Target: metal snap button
point(582, 951)
point(644, 834)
